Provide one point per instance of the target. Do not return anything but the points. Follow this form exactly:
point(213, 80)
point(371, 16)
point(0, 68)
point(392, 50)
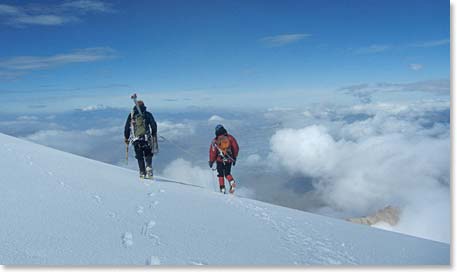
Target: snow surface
point(61, 209)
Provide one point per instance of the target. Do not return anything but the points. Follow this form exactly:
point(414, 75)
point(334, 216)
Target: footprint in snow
point(151, 194)
point(97, 198)
point(127, 239)
point(194, 262)
point(29, 158)
point(153, 260)
point(139, 209)
point(153, 204)
point(147, 231)
point(112, 214)
point(8, 148)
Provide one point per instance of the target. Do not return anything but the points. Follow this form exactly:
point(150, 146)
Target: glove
point(234, 162)
point(126, 141)
point(210, 164)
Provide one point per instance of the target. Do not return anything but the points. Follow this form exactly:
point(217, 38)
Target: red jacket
point(214, 153)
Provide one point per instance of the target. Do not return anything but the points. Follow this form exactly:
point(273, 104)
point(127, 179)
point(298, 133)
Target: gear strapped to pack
point(138, 122)
point(138, 125)
point(222, 144)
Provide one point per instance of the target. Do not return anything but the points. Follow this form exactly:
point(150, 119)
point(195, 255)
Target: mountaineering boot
point(232, 186)
point(142, 175)
point(149, 172)
point(222, 189)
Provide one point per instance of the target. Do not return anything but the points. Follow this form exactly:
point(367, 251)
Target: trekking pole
point(126, 154)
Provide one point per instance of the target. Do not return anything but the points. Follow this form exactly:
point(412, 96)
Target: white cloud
point(81, 142)
point(360, 167)
point(183, 171)
point(276, 108)
point(94, 107)
point(88, 6)
point(245, 192)
point(9, 10)
point(28, 63)
point(103, 131)
point(285, 39)
point(46, 20)
point(365, 91)
point(416, 66)
point(71, 141)
point(430, 43)
point(27, 118)
point(253, 160)
point(173, 131)
point(51, 14)
point(379, 48)
point(215, 119)
point(310, 147)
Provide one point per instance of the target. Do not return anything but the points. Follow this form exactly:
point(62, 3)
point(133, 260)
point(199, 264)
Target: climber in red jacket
point(224, 151)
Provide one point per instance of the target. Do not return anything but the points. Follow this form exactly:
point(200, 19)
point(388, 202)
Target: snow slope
point(60, 209)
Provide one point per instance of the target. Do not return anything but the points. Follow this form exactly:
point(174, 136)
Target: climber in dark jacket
point(141, 130)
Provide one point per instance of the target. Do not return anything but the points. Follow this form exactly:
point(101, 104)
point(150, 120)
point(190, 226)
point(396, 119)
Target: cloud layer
point(365, 92)
point(390, 158)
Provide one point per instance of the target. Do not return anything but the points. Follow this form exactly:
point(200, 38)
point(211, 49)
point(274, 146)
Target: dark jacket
point(151, 125)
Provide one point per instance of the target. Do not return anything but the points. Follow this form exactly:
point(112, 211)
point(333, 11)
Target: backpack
point(138, 125)
point(223, 143)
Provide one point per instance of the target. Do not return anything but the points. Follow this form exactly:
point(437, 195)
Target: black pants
point(143, 153)
point(223, 170)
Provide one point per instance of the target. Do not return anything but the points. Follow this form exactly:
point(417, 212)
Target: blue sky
point(92, 49)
